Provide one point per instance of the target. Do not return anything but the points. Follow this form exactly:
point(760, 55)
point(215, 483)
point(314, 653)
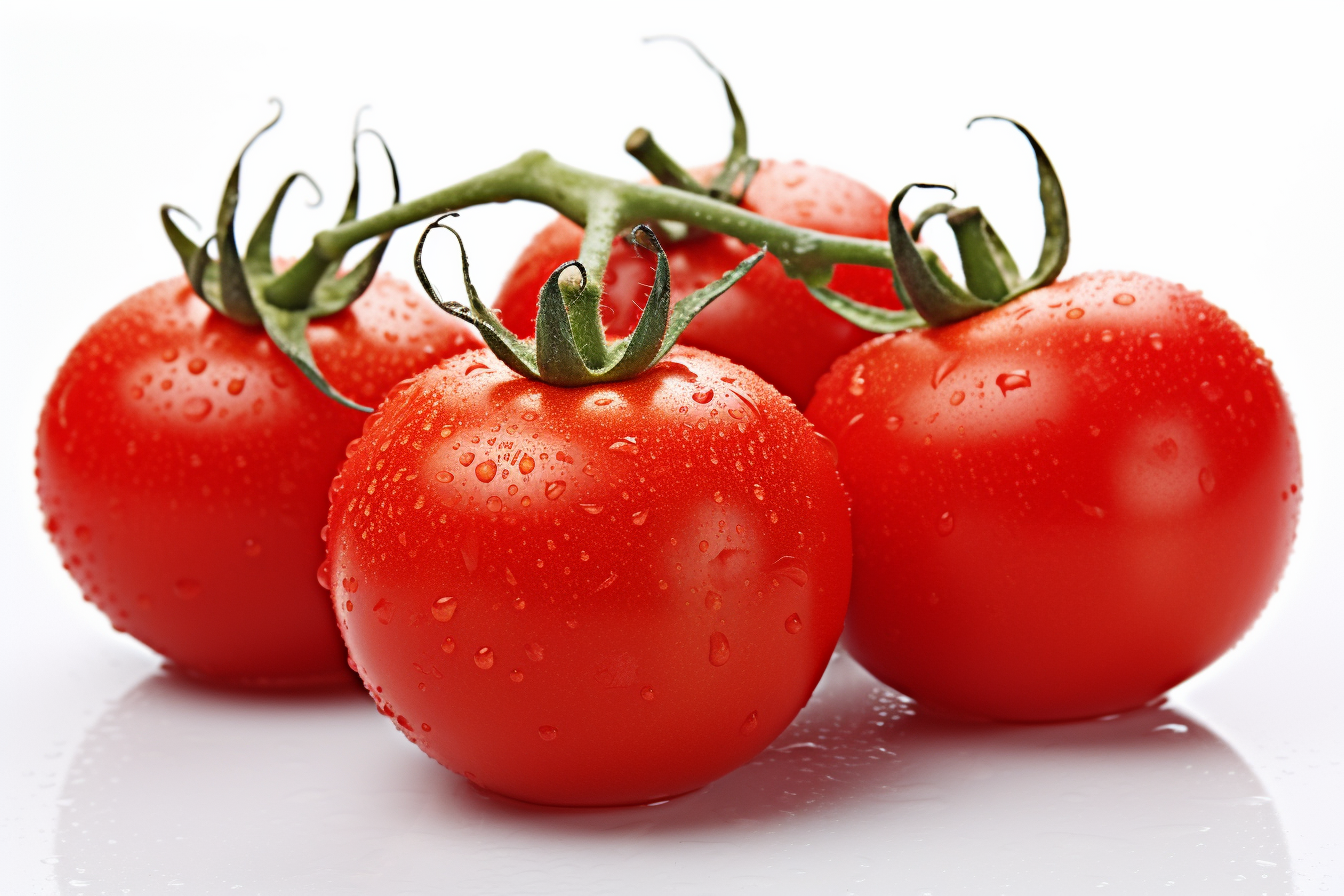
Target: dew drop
point(466, 458)
point(494, 504)
point(526, 465)
point(519, 603)
point(547, 732)
point(856, 381)
point(704, 396)
point(718, 649)
point(515, 676)
point(829, 447)
point(1210, 391)
point(1155, 339)
point(647, 693)
point(949, 364)
point(196, 408)
point(792, 569)
point(1206, 480)
point(137, 392)
point(1013, 379)
point(555, 489)
point(350, 583)
point(957, 398)
point(170, 354)
point(324, 575)
point(535, 652)
point(593, 509)
point(485, 470)
point(444, 476)
point(946, 523)
point(1074, 313)
point(639, 517)
point(713, 601)
point(383, 610)
point(736, 413)
point(196, 365)
point(759, 492)
point(473, 368)
point(351, 447)
point(793, 625)
point(529, 416)
point(485, 658)
point(626, 445)
point(1123, 299)
point(603, 402)
point(448, 645)
point(444, 608)
point(750, 724)
point(349, 605)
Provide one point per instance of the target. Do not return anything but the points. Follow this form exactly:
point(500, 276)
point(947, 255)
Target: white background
point(1197, 142)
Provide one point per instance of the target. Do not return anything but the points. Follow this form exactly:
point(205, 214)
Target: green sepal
point(520, 357)
point(289, 331)
point(195, 259)
point(234, 291)
point(1055, 246)
point(920, 280)
point(684, 311)
point(257, 258)
point(868, 317)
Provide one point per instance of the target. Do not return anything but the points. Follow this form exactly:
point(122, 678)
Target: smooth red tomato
point(591, 595)
point(767, 322)
point(183, 466)
point(1065, 506)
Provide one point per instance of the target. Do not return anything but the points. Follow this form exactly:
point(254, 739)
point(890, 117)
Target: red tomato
point(591, 595)
point(184, 462)
point(1064, 506)
point(767, 322)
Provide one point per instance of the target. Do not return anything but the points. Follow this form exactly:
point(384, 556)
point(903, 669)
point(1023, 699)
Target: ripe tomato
point(183, 464)
point(767, 322)
point(590, 595)
point(1066, 505)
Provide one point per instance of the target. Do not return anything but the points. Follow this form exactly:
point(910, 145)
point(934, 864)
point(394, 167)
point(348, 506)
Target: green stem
point(577, 194)
point(585, 309)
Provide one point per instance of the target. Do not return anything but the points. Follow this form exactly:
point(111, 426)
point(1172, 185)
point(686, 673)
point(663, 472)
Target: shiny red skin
point(183, 467)
point(651, 524)
point(1076, 546)
point(767, 321)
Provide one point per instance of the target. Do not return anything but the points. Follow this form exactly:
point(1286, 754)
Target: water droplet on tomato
point(349, 605)
point(324, 575)
point(750, 724)
point(535, 652)
point(466, 458)
point(593, 509)
point(236, 385)
point(793, 625)
point(626, 445)
point(718, 649)
point(187, 589)
point(196, 408)
point(792, 569)
point(351, 447)
point(485, 470)
point(484, 658)
point(647, 693)
point(443, 608)
point(529, 416)
point(1155, 339)
point(519, 603)
point(1013, 379)
point(713, 601)
point(494, 504)
point(444, 476)
point(946, 523)
point(736, 413)
point(949, 364)
point(957, 398)
point(526, 465)
point(856, 381)
point(555, 489)
point(1074, 313)
point(383, 610)
point(449, 645)
point(639, 517)
point(547, 732)
point(1206, 481)
point(829, 447)
point(350, 583)
point(472, 368)
point(515, 676)
point(1123, 299)
point(759, 492)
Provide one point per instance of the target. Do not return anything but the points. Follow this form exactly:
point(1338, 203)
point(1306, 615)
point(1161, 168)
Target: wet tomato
point(767, 322)
point(183, 467)
point(1066, 505)
point(590, 595)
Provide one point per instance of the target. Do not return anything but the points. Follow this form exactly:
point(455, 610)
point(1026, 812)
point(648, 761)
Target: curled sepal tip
point(919, 278)
point(553, 356)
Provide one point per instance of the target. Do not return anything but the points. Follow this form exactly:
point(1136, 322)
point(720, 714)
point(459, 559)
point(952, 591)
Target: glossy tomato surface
point(595, 595)
point(1065, 506)
point(766, 322)
point(183, 467)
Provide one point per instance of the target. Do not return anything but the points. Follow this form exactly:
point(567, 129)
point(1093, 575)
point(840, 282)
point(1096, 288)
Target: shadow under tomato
point(179, 786)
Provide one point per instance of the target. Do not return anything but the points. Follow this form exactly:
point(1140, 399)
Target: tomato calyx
point(239, 285)
point(992, 276)
point(570, 348)
point(666, 170)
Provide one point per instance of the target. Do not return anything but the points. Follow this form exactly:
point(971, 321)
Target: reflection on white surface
point(183, 790)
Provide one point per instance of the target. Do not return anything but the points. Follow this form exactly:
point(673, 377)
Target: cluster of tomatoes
point(614, 593)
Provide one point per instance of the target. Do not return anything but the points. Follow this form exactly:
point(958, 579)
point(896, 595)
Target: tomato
point(768, 322)
point(183, 467)
point(590, 595)
point(1064, 506)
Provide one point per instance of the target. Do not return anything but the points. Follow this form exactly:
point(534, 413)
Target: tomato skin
point(183, 467)
point(766, 322)
point(635, 600)
point(1072, 547)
